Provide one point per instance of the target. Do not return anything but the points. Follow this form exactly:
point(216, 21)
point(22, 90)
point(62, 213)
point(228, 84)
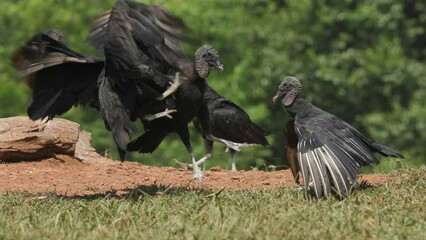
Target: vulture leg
point(173, 88)
point(199, 162)
point(196, 170)
point(184, 136)
point(165, 113)
point(121, 152)
point(208, 146)
point(204, 159)
point(239, 145)
point(228, 144)
point(233, 165)
point(291, 148)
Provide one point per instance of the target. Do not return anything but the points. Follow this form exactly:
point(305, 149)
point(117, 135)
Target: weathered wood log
point(22, 139)
point(84, 150)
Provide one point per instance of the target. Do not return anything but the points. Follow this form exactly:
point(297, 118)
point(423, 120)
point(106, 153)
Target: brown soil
point(68, 176)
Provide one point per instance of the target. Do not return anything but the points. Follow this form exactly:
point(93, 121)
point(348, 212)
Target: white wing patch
point(324, 164)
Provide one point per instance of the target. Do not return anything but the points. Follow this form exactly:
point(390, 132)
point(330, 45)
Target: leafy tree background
point(363, 61)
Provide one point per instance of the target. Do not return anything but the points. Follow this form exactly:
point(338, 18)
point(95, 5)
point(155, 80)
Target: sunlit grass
point(395, 210)
point(389, 165)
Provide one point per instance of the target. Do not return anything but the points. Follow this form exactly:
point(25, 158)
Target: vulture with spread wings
point(62, 78)
point(143, 58)
point(132, 32)
point(141, 40)
point(329, 150)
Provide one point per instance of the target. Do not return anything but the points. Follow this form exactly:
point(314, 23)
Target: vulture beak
point(278, 95)
point(219, 67)
point(274, 99)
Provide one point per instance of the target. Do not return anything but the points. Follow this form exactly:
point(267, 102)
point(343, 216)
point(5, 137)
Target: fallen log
point(22, 139)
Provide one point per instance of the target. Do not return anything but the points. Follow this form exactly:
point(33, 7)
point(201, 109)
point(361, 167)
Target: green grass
point(388, 165)
point(395, 210)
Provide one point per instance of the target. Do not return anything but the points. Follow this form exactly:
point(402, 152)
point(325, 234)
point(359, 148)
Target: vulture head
point(206, 58)
point(289, 89)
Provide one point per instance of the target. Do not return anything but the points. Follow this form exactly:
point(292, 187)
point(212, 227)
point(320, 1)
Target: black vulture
point(143, 54)
point(221, 120)
point(143, 43)
point(61, 78)
point(137, 41)
point(329, 150)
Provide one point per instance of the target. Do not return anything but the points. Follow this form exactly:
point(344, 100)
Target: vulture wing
point(156, 32)
point(228, 121)
point(330, 150)
point(142, 51)
point(60, 77)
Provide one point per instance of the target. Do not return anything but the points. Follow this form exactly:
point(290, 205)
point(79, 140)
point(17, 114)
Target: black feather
point(60, 77)
point(224, 119)
point(147, 142)
point(143, 52)
point(330, 151)
point(142, 45)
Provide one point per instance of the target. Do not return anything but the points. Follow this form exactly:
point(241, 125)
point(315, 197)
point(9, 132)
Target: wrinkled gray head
point(206, 58)
point(289, 89)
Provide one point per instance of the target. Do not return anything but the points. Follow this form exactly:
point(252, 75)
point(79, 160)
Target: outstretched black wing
point(143, 50)
point(60, 77)
point(156, 32)
point(330, 150)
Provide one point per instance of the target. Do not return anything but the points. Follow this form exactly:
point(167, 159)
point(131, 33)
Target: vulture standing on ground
point(329, 150)
point(221, 120)
point(144, 41)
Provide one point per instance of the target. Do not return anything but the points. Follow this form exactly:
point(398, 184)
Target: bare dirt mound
point(69, 166)
point(64, 175)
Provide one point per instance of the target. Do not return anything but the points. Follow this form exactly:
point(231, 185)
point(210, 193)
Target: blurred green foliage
point(363, 61)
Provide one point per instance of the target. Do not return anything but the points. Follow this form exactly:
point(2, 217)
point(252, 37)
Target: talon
point(196, 171)
point(185, 166)
point(197, 176)
point(167, 113)
point(173, 88)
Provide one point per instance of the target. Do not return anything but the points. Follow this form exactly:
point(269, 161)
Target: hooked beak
point(274, 99)
point(278, 95)
point(219, 67)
